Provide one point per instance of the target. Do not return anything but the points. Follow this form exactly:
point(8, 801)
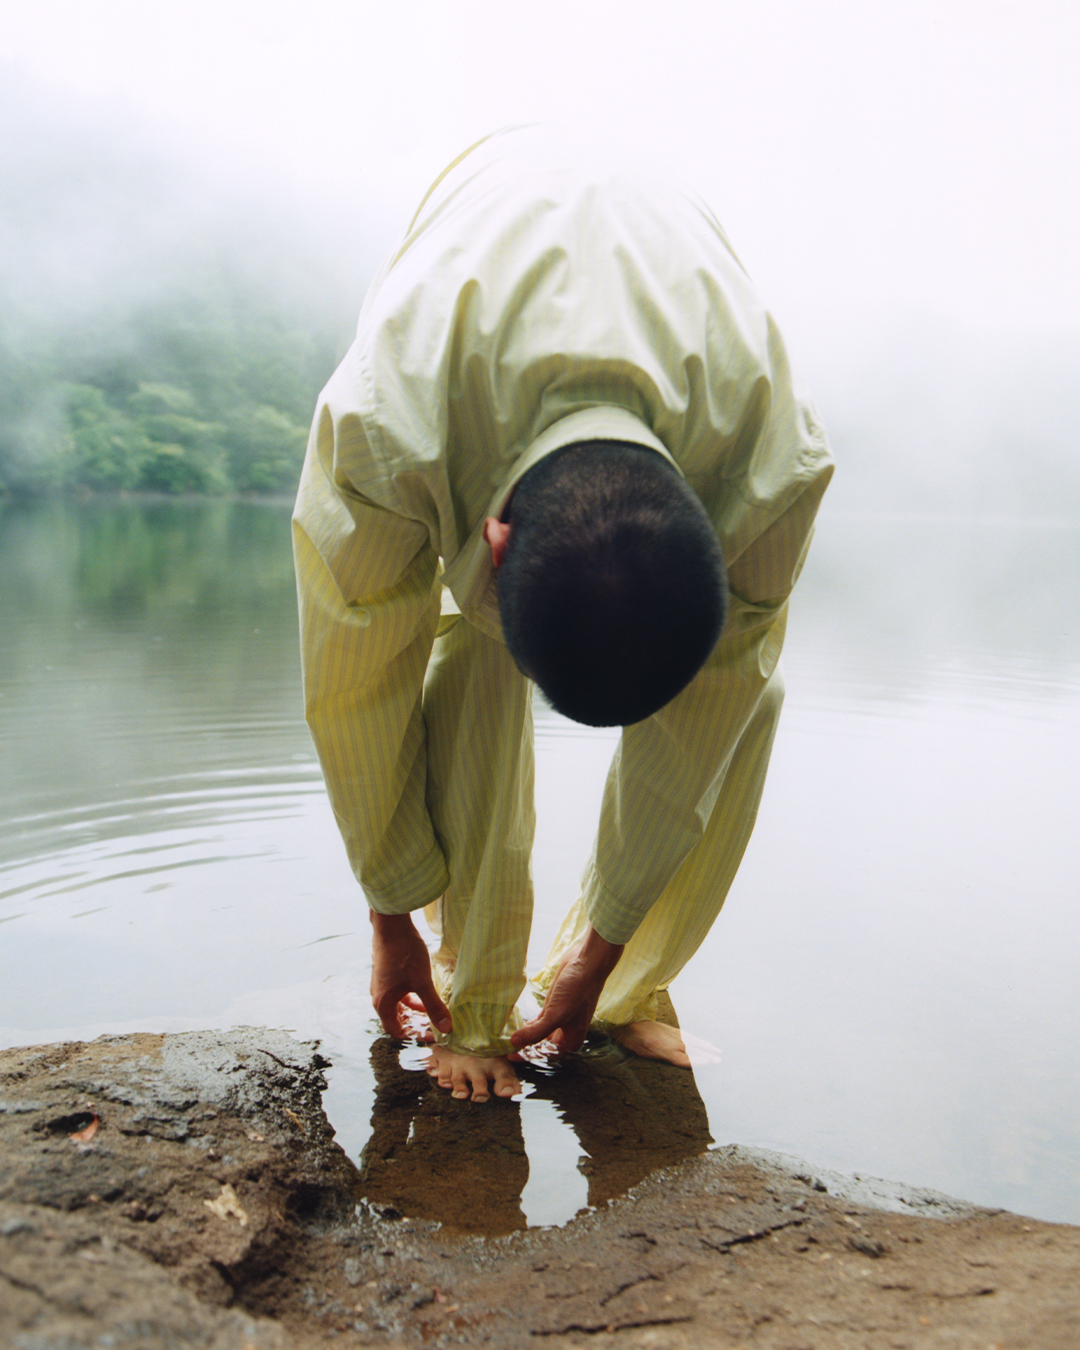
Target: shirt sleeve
point(369, 606)
point(668, 770)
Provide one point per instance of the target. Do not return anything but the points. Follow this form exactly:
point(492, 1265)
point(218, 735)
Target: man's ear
point(497, 536)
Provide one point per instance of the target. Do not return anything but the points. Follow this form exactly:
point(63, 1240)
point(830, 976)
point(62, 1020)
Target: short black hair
point(612, 589)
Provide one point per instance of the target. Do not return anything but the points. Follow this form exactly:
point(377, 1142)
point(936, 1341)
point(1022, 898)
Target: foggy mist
point(158, 318)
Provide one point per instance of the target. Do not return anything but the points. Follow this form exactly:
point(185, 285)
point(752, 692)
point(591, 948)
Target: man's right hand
point(401, 974)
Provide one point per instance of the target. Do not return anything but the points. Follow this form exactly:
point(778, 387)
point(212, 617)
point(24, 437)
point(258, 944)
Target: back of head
point(612, 590)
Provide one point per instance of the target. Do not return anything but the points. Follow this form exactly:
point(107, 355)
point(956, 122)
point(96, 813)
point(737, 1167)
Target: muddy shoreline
point(186, 1191)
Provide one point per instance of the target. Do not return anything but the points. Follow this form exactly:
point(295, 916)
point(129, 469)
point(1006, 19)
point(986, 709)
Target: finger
point(566, 1040)
point(531, 1032)
point(436, 1010)
point(565, 1036)
point(536, 1054)
point(389, 1014)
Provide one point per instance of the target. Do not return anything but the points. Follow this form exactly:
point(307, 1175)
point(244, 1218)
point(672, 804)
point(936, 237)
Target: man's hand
point(571, 1001)
point(401, 974)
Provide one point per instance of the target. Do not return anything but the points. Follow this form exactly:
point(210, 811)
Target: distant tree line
point(160, 331)
point(196, 394)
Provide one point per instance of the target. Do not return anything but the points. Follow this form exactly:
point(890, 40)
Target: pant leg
point(678, 922)
point(478, 716)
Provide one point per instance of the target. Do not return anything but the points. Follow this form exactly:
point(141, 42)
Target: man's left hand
point(571, 1001)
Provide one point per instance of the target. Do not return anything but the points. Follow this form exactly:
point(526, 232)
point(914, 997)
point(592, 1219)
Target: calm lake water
point(893, 982)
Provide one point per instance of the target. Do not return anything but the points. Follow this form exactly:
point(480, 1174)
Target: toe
point(479, 1082)
point(506, 1082)
point(440, 1067)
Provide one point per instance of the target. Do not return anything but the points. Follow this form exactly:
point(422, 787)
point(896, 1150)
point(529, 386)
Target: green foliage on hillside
point(183, 400)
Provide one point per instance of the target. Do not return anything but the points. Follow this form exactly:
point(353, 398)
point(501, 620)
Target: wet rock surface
point(185, 1191)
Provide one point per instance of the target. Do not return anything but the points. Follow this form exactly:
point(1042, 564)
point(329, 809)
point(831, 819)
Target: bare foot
point(467, 1076)
point(656, 1040)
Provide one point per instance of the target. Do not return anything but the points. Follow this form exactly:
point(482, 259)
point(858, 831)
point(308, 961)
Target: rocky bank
point(186, 1191)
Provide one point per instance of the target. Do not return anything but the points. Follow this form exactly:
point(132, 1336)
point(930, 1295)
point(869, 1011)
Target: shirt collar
point(587, 424)
point(470, 577)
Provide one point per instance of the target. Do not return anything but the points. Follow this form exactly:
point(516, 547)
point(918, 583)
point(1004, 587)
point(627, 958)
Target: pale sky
point(920, 156)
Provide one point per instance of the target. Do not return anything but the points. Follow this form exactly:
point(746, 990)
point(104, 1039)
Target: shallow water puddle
point(576, 1138)
point(553, 1151)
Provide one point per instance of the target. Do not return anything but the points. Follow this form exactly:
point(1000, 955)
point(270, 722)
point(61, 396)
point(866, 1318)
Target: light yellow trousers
point(478, 715)
point(478, 720)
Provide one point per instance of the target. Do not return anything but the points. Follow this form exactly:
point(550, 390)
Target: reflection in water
point(431, 1157)
point(144, 646)
point(632, 1116)
point(464, 1164)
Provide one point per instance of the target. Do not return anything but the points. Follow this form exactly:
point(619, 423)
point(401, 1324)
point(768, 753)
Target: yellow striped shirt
point(543, 293)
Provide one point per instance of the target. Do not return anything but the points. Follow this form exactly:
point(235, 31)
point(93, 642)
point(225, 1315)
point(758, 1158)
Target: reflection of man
point(431, 1160)
point(563, 379)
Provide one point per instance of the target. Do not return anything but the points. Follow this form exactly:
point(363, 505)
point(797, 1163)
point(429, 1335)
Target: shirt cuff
point(615, 920)
point(417, 888)
point(481, 1029)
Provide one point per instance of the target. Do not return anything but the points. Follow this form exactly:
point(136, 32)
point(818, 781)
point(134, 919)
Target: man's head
point(612, 590)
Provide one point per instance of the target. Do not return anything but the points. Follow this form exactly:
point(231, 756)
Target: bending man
point(563, 448)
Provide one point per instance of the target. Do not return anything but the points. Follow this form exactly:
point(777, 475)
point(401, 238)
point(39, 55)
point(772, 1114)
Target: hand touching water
point(571, 1001)
point(401, 975)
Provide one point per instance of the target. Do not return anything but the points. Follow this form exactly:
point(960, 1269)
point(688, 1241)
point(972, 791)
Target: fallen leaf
point(295, 1120)
point(84, 1136)
point(228, 1202)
